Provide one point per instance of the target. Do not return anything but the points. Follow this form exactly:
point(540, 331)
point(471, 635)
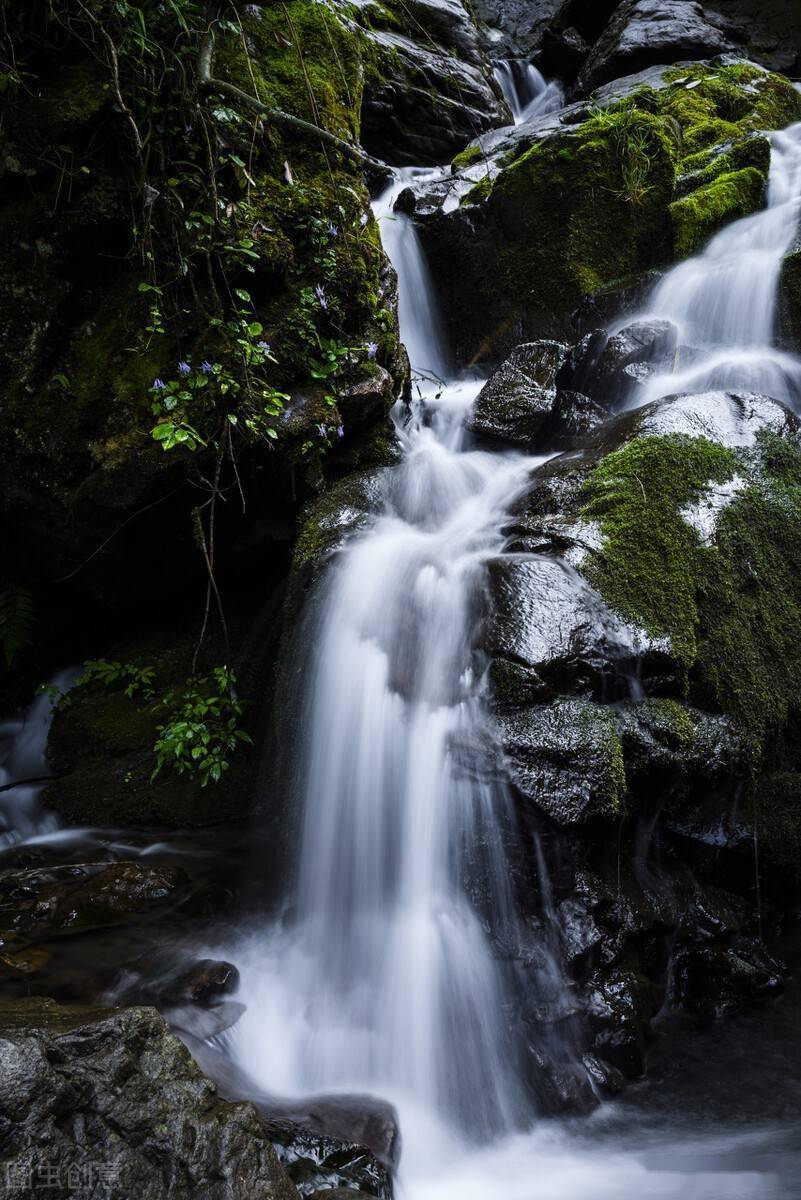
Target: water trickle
point(724, 301)
point(526, 90)
point(23, 758)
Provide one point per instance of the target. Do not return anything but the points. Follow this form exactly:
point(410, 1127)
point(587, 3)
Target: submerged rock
point(108, 1100)
point(45, 902)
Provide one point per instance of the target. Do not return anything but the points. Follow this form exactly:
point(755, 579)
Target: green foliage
point(17, 621)
point(631, 141)
point(111, 674)
point(202, 726)
point(203, 730)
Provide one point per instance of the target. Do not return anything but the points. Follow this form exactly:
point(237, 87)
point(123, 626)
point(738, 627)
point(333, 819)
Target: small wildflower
point(333, 229)
point(184, 368)
point(320, 294)
point(372, 349)
point(321, 428)
point(363, 219)
point(158, 385)
point(263, 346)
point(206, 367)
point(340, 431)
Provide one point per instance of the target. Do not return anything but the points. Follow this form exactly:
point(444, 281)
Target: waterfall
point(526, 90)
point(387, 976)
point(723, 302)
point(394, 968)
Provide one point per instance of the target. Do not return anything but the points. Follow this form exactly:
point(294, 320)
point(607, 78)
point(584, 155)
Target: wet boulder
point(573, 418)
point(672, 749)
point(609, 368)
point(547, 618)
point(431, 89)
point(646, 32)
point(517, 401)
point(620, 1005)
point(108, 1100)
point(565, 760)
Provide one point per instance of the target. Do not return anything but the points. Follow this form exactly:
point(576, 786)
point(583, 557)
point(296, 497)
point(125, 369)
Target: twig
point(207, 83)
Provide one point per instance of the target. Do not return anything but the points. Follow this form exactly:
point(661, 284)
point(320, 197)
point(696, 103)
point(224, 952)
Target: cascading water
point(723, 302)
point(382, 977)
point(526, 90)
point(387, 978)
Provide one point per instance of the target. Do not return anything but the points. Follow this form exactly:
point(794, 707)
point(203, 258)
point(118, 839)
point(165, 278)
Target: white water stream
point(382, 977)
point(724, 301)
point(526, 90)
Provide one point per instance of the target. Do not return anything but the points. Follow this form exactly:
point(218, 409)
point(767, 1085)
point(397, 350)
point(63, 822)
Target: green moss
point(652, 559)
point(731, 610)
point(749, 661)
point(705, 166)
point(480, 191)
point(467, 158)
point(614, 178)
point(724, 199)
point(790, 301)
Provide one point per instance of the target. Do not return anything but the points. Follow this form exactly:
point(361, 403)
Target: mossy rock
point(727, 591)
point(628, 187)
point(724, 199)
point(566, 758)
point(101, 749)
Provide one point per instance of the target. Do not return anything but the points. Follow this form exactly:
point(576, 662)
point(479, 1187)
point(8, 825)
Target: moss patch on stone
point(726, 198)
point(732, 609)
point(652, 558)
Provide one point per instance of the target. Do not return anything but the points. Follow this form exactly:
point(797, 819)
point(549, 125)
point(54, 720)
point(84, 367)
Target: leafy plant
point(204, 727)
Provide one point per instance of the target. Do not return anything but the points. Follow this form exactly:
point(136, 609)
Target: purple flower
point(265, 346)
point(320, 294)
point(363, 219)
point(321, 428)
point(206, 367)
point(184, 368)
point(333, 229)
point(158, 385)
point(340, 431)
point(372, 349)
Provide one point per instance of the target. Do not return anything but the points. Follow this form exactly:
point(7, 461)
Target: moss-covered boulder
point(235, 248)
point(600, 194)
point(662, 578)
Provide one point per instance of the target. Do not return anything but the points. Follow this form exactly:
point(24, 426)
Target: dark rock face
point(432, 90)
point(514, 27)
point(108, 1099)
point(515, 404)
point(645, 32)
